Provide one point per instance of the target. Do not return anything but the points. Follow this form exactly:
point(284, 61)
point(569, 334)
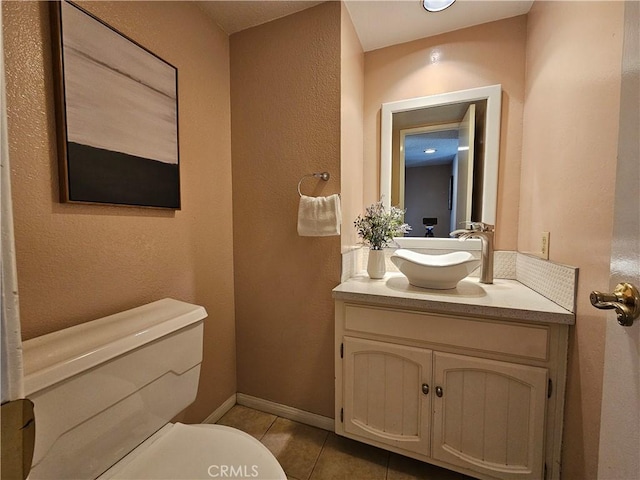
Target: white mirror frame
point(493, 95)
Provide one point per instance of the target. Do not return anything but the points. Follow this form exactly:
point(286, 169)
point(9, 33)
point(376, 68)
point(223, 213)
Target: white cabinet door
point(489, 416)
point(384, 393)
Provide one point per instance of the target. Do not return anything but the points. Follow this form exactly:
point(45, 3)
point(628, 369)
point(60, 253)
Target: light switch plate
point(544, 246)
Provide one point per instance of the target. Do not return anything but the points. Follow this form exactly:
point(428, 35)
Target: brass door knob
point(625, 299)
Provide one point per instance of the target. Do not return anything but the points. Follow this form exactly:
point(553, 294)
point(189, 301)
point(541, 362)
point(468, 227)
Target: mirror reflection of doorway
point(436, 176)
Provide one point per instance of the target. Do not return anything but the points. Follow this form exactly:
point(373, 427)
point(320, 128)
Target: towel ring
point(324, 176)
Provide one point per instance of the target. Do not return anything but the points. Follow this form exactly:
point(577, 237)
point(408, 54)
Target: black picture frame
point(116, 115)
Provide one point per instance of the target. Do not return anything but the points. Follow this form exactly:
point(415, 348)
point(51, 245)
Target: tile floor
point(309, 453)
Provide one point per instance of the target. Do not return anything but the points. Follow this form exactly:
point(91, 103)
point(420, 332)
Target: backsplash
point(352, 263)
point(552, 280)
point(355, 261)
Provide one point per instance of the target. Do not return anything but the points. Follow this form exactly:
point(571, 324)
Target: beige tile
point(346, 459)
point(254, 422)
point(295, 445)
point(405, 468)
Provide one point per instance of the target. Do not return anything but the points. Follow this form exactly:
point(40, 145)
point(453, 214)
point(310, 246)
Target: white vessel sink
point(440, 272)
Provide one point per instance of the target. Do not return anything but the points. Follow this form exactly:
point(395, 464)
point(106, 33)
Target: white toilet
point(105, 392)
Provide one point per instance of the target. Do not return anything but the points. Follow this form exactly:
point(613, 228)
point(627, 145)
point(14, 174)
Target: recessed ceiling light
point(430, 150)
point(436, 5)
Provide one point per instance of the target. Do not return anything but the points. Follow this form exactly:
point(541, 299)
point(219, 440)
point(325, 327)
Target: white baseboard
point(221, 410)
point(285, 411)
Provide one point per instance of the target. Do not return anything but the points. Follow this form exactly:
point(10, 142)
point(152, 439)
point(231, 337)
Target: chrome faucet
point(484, 232)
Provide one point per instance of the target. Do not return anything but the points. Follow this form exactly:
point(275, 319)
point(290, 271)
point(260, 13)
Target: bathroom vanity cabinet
point(480, 392)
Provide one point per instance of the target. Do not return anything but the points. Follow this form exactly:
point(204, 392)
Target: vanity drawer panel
point(529, 341)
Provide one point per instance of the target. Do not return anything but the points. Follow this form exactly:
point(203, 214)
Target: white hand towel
point(319, 216)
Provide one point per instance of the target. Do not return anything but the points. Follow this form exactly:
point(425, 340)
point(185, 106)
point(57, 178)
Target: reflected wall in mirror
point(439, 161)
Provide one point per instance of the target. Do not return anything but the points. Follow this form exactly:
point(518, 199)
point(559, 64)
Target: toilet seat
point(179, 451)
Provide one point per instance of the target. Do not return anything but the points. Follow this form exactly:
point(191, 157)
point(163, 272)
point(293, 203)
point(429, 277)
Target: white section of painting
point(118, 96)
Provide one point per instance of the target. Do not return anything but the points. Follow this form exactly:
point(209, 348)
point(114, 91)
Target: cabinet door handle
point(425, 389)
point(439, 391)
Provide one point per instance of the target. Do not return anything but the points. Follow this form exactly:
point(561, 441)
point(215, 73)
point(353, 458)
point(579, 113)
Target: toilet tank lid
point(51, 358)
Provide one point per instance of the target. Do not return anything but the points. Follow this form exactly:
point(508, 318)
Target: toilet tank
point(102, 387)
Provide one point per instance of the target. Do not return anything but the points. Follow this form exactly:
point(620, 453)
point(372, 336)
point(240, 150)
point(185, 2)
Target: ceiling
point(444, 143)
point(379, 23)
point(237, 15)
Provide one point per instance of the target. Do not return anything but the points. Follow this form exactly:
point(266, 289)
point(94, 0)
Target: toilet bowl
point(104, 393)
point(197, 451)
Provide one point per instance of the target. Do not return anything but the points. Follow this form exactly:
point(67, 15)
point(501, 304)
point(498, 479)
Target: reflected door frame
point(401, 164)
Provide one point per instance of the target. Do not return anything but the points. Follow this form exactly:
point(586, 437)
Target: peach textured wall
point(568, 176)
point(351, 127)
point(80, 262)
point(285, 112)
point(473, 57)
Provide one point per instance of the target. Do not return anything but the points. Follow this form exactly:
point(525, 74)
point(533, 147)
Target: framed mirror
point(439, 161)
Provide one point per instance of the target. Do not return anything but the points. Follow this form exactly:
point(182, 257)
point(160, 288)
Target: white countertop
point(504, 299)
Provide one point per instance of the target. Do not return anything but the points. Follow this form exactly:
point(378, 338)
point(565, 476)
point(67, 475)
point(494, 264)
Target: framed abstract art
point(116, 115)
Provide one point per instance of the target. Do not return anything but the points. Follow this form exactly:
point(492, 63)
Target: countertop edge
point(460, 308)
